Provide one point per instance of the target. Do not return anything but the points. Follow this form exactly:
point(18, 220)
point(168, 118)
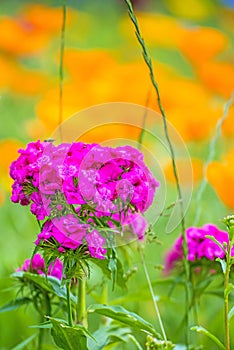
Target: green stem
point(69, 309)
point(40, 337)
point(81, 302)
point(226, 297)
point(62, 44)
point(47, 311)
point(149, 64)
point(152, 295)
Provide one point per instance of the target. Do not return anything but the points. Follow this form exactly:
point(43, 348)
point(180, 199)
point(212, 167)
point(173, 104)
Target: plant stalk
point(149, 64)
point(226, 297)
point(152, 295)
point(81, 302)
point(62, 44)
point(69, 308)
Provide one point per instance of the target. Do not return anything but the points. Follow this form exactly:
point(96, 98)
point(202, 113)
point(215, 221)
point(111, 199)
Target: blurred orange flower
point(21, 80)
point(185, 178)
point(188, 106)
point(221, 176)
point(200, 44)
point(218, 77)
point(30, 31)
point(228, 125)
point(96, 77)
point(45, 18)
point(157, 29)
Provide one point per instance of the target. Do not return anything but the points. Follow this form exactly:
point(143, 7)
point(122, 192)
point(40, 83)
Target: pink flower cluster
point(37, 265)
point(199, 245)
point(71, 187)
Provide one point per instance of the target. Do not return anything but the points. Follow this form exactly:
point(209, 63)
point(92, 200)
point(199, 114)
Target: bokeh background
point(191, 44)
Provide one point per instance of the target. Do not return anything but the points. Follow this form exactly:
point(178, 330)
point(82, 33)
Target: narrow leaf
point(223, 264)
point(46, 325)
point(204, 331)
point(122, 315)
point(135, 341)
point(15, 304)
point(22, 345)
point(231, 313)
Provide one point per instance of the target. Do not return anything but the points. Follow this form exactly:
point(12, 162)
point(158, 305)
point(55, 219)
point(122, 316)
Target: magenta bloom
point(69, 233)
point(37, 265)
point(199, 246)
point(70, 186)
point(95, 245)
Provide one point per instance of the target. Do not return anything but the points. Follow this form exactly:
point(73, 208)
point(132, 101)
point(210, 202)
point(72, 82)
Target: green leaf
point(45, 325)
point(39, 280)
point(107, 335)
point(120, 314)
point(59, 290)
point(69, 338)
point(22, 345)
point(106, 269)
point(204, 331)
point(15, 304)
point(231, 313)
point(135, 342)
point(223, 264)
point(48, 284)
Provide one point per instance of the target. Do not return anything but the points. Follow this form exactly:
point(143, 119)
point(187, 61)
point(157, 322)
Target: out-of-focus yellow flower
point(191, 9)
point(157, 29)
point(221, 176)
point(8, 152)
point(200, 44)
point(218, 76)
point(185, 178)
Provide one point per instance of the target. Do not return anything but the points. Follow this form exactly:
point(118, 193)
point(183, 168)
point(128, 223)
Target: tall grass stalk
point(149, 64)
point(62, 45)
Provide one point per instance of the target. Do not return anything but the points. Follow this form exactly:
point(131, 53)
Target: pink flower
point(37, 265)
point(95, 245)
point(199, 245)
point(55, 269)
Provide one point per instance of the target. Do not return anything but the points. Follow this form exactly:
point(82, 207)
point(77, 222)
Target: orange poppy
point(228, 125)
point(185, 177)
point(218, 77)
point(206, 43)
point(157, 29)
point(221, 176)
